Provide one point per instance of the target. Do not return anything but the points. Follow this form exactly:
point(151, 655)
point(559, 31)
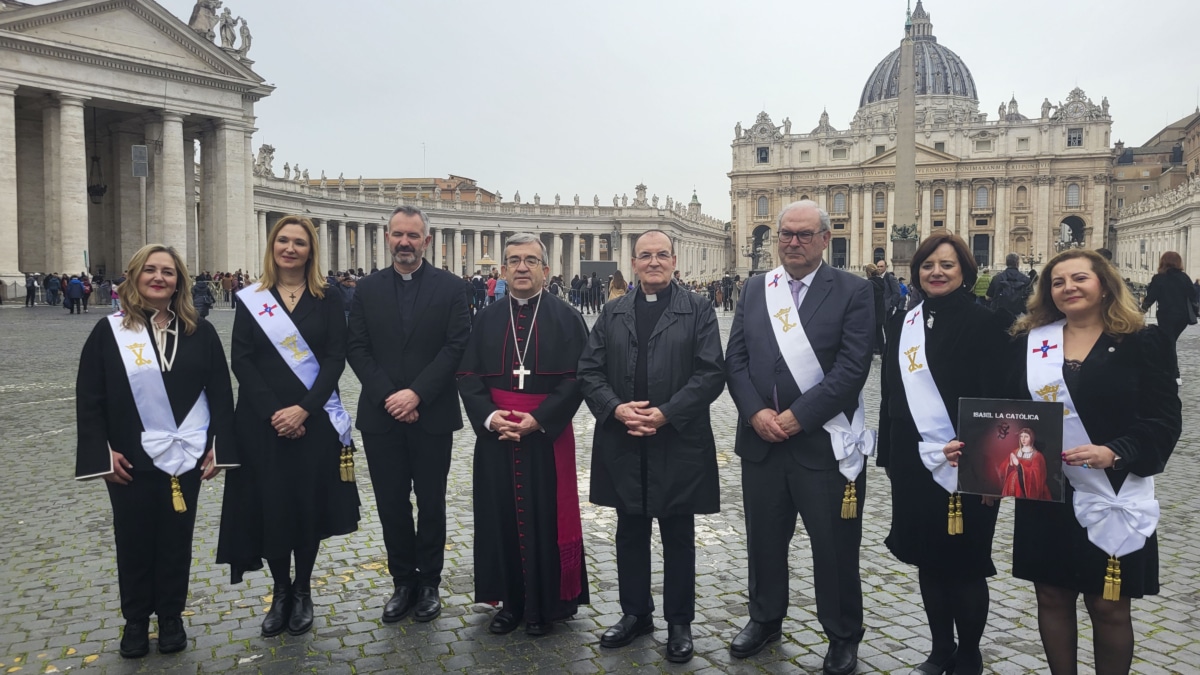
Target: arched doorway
point(878, 254)
point(1072, 229)
point(761, 239)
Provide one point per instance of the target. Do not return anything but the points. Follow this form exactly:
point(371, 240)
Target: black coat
point(1126, 397)
point(107, 416)
point(1173, 291)
point(685, 375)
point(388, 357)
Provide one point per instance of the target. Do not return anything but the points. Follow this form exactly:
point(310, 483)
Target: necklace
point(521, 372)
point(290, 291)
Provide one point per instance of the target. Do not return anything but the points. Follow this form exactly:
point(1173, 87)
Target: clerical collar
point(521, 302)
point(654, 297)
point(415, 273)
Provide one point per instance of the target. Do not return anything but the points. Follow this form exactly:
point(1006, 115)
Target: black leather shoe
point(624, 631)
point(281, 608)
point(400, 604)
point(171, 636)
point(301, 619)
point(679, 642)
point(754, 637)
point(504, 622)
point(429, 605)
point(842, 657)
point(538, 628)
point(932, 666)
point(135, 642)
point(968, 663)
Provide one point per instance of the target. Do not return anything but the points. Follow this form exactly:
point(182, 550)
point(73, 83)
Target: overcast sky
point(592, 97)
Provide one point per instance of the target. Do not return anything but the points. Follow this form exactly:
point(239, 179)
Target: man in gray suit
point(788, 460)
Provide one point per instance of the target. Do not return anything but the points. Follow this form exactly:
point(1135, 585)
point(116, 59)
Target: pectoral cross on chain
point(520, 374)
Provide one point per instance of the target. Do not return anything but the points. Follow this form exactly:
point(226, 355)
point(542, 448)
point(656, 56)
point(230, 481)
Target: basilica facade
point(1015, 183)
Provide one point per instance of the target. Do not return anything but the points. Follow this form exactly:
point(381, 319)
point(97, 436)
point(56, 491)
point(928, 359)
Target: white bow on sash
point(290, 344)
point(852, 441)
point(174, 449)
point(925, 402)
point(1117, 524)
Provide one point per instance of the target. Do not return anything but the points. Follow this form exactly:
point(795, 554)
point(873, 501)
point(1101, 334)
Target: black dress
point(1126, 396)
point(288, 493)
point(960, 347)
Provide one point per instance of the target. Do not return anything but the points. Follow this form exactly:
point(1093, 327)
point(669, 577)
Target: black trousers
point(30, 297)
point(154, 543)
point(404, 461)
point(774, 491)
point(679, 566)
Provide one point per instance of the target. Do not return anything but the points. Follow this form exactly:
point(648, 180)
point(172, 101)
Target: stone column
point(254, 256)
point(357, 248)
point(192, 254)
point(926, 207)
point(322, 245)
point(497, 246)
point(435, 248)
point(594, 248)
point(477, 249)
point(385, 251)
point(343, 247)
point(230, 217)
point(554, 253)
point(855, 245)
point(1001, 245)
point(965, 222)
point(889, 221)
point(9, 268)
point(206, 228)
point(169, 206)
point(261, 229)
point(951, 214)
point(454, 256)
point(1041, 232)
point(52, 225)
point(71, 162)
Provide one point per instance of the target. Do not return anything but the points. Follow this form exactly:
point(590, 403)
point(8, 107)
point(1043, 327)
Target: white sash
point(852, 442)
point(1117, 524)
point(291, 346)
point(174, 449)
point(925, 402)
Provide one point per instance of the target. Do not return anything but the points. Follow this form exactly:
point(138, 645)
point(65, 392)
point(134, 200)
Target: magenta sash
point(570, 529)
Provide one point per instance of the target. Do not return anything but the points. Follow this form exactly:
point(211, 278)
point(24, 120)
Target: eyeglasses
point(661, 256)
point(530, 261)
point(786, 236)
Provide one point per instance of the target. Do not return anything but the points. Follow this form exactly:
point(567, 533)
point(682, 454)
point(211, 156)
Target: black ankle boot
point(281, 608)
point(301, 619)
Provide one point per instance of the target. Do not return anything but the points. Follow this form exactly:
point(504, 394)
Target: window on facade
point(880, 202)
point(840, 225)
point(803, 198)
point(840, 153)
point(764, 155)
point(879, 254)
point(1022, 144)
point(1120, 202)
point(981, 222)
point(939, 146)
point(839, 202)
point(1073, 194)
point(981, 198)
point(762, 206)
point(805, 156)
point(879, 226)
point(939, 200)
point(1075, 138)
point(837, 256)
point(983, 146)
point(939, 223)
point(1022, 195)
point(880, 149)
point(1145, 188)
point(981, 246)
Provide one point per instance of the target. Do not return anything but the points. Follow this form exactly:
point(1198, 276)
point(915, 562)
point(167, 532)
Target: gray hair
point(522, 238)
point(670, 240)
point(1012, 260)
point(805, 203)
point(411, 211)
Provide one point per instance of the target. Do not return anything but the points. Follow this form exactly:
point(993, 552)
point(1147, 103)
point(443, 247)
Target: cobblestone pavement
point(58, 589)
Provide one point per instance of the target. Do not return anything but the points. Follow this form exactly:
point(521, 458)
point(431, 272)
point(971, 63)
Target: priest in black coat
point(518, 385)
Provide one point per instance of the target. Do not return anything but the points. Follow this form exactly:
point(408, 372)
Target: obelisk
point(906, 154)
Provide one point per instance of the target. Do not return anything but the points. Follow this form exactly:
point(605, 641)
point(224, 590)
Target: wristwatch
point(1117, 461)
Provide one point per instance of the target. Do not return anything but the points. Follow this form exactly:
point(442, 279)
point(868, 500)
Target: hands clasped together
point(512, 425)
point(402, 405)
point(639, 418)
point(775, 427)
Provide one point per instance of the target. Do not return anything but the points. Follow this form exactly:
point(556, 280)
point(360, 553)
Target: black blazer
point(838, 315)
point(107, 416)
point(388, 357)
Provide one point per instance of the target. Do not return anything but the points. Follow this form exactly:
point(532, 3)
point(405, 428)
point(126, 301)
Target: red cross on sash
point(1044, 349)
point(913, 318)
point(269, 310)
point(775, 281)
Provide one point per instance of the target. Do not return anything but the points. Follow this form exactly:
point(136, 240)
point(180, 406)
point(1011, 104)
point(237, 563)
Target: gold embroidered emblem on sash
point(783, 315)
point(137, 348)
point(290, 342)
point(911, 353)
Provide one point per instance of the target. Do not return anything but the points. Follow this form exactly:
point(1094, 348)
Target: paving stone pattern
point(59, 608)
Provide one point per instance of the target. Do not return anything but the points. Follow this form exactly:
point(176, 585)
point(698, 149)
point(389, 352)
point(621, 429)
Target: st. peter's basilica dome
point(940, 72)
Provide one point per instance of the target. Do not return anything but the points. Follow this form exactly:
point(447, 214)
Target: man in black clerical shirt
point(408, 327)
point(518, 385)
point(651, 369)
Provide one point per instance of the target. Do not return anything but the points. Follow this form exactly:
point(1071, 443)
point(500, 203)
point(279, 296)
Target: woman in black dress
point(960, 338)
point(1119, 375)
point(153, 480)
point(297, 485)
point(1172, 289)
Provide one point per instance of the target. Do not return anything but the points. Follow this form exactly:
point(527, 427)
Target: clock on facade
point(1075, 109)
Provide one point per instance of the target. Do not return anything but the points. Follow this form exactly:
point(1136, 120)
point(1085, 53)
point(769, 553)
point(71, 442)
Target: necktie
point(796, 285)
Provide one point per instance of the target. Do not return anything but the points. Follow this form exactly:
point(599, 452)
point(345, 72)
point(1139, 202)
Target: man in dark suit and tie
point(409, 325)
point(788, 459)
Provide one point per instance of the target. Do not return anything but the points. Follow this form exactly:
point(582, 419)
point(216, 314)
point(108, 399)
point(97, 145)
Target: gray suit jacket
point(838, 315)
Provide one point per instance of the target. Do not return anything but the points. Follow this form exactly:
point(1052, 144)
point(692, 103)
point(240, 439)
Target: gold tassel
point(347, 464)
point(958, 514)
point(950, 528)
point(850, 501)
point(1112, 580)
point(177, 496)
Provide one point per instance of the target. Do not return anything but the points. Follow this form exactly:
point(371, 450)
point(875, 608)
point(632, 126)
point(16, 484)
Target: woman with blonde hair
point(297, 484)
point(1083, 344)
point(154, 412)
point(617, 287)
